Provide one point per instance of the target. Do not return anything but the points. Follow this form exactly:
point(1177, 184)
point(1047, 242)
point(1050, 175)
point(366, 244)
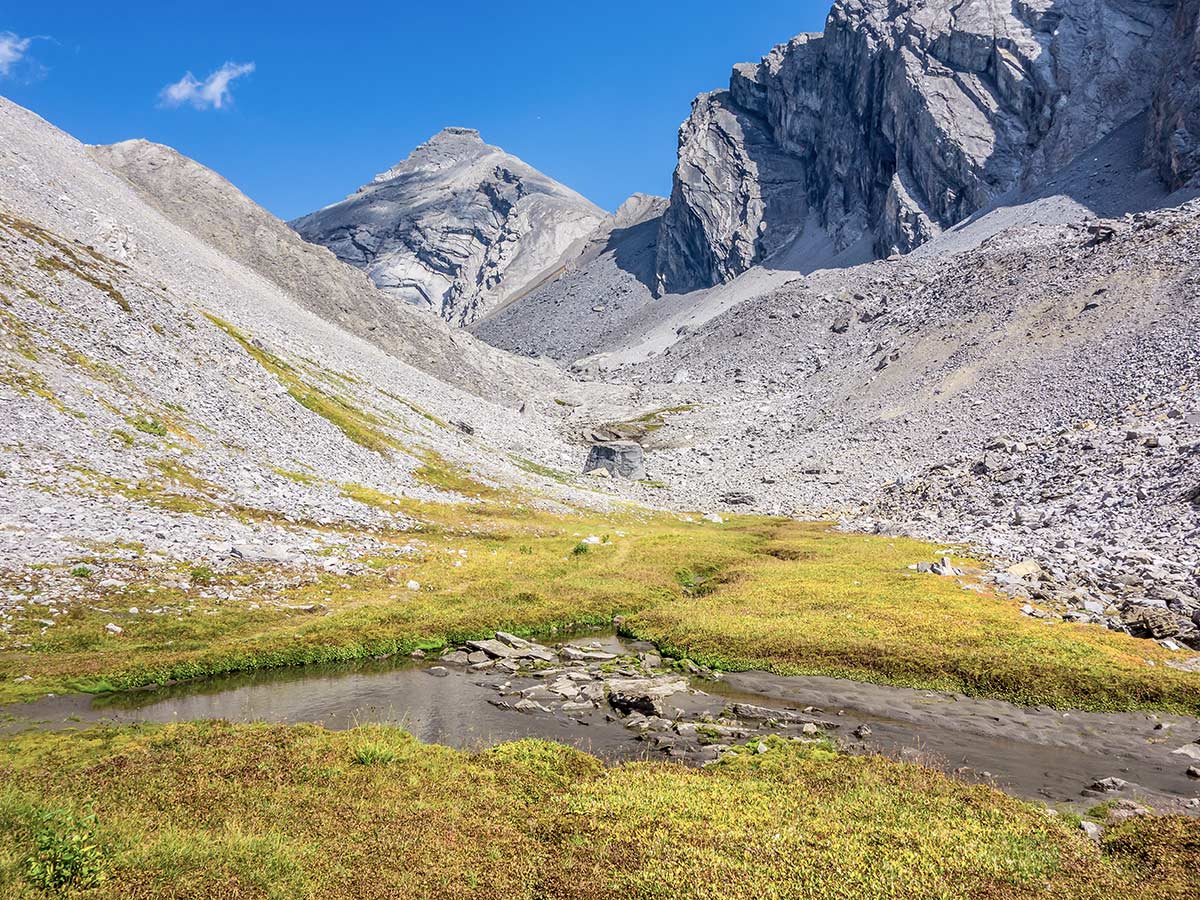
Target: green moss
point(436, 471)
point(148, 425)
point(371, 497)
point(647, 423)
point(70, 263)
point(31, 384)
point(534, 468)
point(291, 475)
point(162, 493)
point(27, 342)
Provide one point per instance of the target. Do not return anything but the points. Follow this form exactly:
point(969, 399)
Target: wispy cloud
point(13, 48)
point(211, 93)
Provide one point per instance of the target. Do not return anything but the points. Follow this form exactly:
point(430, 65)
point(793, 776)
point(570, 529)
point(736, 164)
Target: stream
point(1035, 753)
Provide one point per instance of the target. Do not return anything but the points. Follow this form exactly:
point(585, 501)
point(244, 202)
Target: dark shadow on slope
point(634, 249)
point(1110, 179)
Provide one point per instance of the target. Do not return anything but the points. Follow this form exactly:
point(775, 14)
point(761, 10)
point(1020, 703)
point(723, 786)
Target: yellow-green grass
point(210, 810)
point(32, 384)
point(419, 410)
point(305, 478)
point(752, 593)
point(813, 601)
point(97, 270)
point(649, 422)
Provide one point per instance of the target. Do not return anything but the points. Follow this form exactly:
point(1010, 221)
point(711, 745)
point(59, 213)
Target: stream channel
point(606, 695)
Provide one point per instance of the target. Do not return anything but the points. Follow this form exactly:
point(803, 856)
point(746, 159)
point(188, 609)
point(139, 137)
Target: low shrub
point(66, 853)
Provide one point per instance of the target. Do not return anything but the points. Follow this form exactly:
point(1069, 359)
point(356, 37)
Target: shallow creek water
point(1044, 754)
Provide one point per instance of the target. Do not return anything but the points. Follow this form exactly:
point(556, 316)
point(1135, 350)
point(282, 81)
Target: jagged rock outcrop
point(901, 119)
point(736, 196)
point(1174, 139)
point(459, 227)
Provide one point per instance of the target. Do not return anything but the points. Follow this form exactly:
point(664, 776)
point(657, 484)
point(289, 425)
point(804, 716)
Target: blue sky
point(318, 97)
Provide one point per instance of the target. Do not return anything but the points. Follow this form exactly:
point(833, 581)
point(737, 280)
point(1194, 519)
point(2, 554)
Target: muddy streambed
point(611, 697)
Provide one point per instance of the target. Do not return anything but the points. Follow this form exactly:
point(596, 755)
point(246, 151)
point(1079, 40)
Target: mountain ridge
point(207, 205)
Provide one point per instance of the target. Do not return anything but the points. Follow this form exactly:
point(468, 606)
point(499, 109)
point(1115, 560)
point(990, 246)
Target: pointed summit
point(459, 227)
point(449, 147)
point(455, 134)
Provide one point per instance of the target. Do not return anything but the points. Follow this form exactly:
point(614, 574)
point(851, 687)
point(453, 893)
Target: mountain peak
point(458, 227)
point(451, 146)
point(455, 133)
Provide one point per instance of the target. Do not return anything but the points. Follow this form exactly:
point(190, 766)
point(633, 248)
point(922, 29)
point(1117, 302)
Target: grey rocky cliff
point(1173, 142)
point(736, 196)
point(900, 120)
point(459, 227)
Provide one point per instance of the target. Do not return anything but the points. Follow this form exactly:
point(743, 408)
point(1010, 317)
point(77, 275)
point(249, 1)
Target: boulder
point(619, 459)
point(737, 498)
point(263, 553)
point(1028, 568)
point(945, 568)
point(1109, 785)
point(643, 695)
point(494, 649)
point(498, 649)
point(766, 714)
point(1150, 621)
point(1191, 751)
point(575, 654)
point(1122, 809)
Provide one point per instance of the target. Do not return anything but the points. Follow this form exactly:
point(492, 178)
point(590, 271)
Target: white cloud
point(211, 93)
point(12, 50)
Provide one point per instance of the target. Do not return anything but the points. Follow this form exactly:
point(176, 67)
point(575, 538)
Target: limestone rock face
point(903, 118)
point(459, 227)
point(1173, 142)
point(736, 195)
